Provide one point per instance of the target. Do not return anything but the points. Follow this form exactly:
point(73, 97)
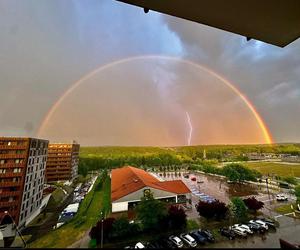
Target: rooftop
point(128, 179)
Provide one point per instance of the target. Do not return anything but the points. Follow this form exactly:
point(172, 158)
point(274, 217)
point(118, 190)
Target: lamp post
point(101, 229)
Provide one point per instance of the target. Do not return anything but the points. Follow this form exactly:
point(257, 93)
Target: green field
point(97, 200)
point(279, 169)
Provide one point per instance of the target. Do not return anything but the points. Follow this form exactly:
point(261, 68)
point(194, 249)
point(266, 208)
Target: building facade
point(129, 184)
point(63, 160)
point(22, 176)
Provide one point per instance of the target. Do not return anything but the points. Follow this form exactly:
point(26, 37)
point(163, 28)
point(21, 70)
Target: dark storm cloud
point(268, 75)
point(45, 46)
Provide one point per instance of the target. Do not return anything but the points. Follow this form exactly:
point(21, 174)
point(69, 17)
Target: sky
point(47, 46)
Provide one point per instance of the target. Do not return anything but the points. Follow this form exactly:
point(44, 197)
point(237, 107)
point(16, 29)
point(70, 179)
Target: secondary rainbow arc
point(261, 123)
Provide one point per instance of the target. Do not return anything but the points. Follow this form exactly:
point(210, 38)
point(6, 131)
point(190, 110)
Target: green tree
point(150, 211)
point(297, 192)
point(238, 208)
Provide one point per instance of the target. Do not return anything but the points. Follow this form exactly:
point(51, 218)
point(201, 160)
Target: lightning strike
point(191, 128)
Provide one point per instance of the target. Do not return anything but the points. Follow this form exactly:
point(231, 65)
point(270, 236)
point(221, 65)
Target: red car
point(193, 178)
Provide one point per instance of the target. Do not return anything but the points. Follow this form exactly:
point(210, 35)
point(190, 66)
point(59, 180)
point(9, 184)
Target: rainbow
point(265, 131)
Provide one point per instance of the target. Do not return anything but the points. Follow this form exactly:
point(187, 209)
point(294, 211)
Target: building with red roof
point(128, 185)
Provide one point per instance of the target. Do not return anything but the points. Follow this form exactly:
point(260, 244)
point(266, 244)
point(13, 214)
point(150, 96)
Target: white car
point(260, 223)
point(188, 239)
point(239, 231)
point(281, 197)
point(178, 242)
point(244, 227)
point(139, 245)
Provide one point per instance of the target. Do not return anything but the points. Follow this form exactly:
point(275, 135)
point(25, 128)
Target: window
point(9, 143)
point(17, 160)
point(2, 161)
point(2, 170)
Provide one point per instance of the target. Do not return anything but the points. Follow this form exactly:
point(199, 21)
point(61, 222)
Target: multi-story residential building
point(22, 175)
point(63, 160)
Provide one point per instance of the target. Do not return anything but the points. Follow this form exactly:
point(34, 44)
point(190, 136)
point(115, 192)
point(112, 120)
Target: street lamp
point(101, 229)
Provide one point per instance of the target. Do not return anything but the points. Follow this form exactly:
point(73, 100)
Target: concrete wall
point(119, 206)
point(136, 196)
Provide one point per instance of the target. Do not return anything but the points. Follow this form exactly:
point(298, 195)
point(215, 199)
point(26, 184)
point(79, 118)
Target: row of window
point(10, 170)
point(24, 213)
point(16, 161)
point(12, 143)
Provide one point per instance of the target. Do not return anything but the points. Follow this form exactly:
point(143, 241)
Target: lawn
point(279, 169)
point(89, 213)
point(285, 209)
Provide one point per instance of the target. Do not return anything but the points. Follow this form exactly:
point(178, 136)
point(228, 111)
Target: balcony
point(13, 156)
point(13, 165)
point(10, 193)
point(10, 184)
point(13, 147)
point(8, 203)
point(11, 174)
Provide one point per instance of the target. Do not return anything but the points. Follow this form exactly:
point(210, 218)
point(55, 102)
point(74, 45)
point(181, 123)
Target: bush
point(237, 172)
point(238, 208)
point(95, 232)
point(215, 209)
point(176, 216)
point(253, 204)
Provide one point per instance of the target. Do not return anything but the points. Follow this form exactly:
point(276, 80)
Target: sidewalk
point(83, 242)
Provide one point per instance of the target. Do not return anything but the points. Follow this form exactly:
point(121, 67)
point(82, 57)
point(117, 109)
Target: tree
point(95, 232)
point(297, 192)
point(150, 211)
point(209, 210)
point(238, 172)
point(122, 228)
point(238, 207)
point(253, 204)
point(177, 217)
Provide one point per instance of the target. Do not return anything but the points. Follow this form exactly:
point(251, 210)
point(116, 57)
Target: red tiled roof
point(128, 179)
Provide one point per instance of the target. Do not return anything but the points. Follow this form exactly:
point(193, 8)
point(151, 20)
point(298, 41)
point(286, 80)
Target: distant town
point(61, 195)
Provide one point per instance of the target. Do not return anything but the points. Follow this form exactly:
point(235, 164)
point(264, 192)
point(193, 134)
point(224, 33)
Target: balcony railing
point(7, 175)
point(10, 184)
point(13, 156)
point(13, 147)
point(8, 203)
point(10, 193)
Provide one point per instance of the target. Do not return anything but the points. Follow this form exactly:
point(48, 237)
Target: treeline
point(94, 158)
point(234, 172)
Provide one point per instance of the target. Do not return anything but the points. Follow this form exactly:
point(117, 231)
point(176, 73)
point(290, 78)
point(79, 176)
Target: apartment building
point(63, 160)
point(22, 176)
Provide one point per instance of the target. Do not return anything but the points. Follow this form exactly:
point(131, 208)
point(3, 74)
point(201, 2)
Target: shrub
point(215, 209)
point(253, 204)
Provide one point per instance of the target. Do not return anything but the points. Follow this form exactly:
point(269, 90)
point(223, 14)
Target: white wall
point(119, 206)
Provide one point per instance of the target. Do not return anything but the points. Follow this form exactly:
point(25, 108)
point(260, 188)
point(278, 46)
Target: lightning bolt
point(190, 126)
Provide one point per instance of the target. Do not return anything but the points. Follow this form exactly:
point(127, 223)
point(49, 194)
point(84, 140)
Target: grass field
point(89, 213)
point(279, 169)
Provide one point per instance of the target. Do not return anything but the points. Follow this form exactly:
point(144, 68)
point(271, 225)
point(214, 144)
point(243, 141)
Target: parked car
point(281, 197)
point(186, 176)
point(193, 179)
point(227, 232)
point(178, 242)
point(198, 237)
point(165, 243)
point(207, 234)
point(260, 223)
point(269, 223)
point(256, 228)
point(189, 240)
point(139, 245)
point(239, 231)
point(245, 227)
